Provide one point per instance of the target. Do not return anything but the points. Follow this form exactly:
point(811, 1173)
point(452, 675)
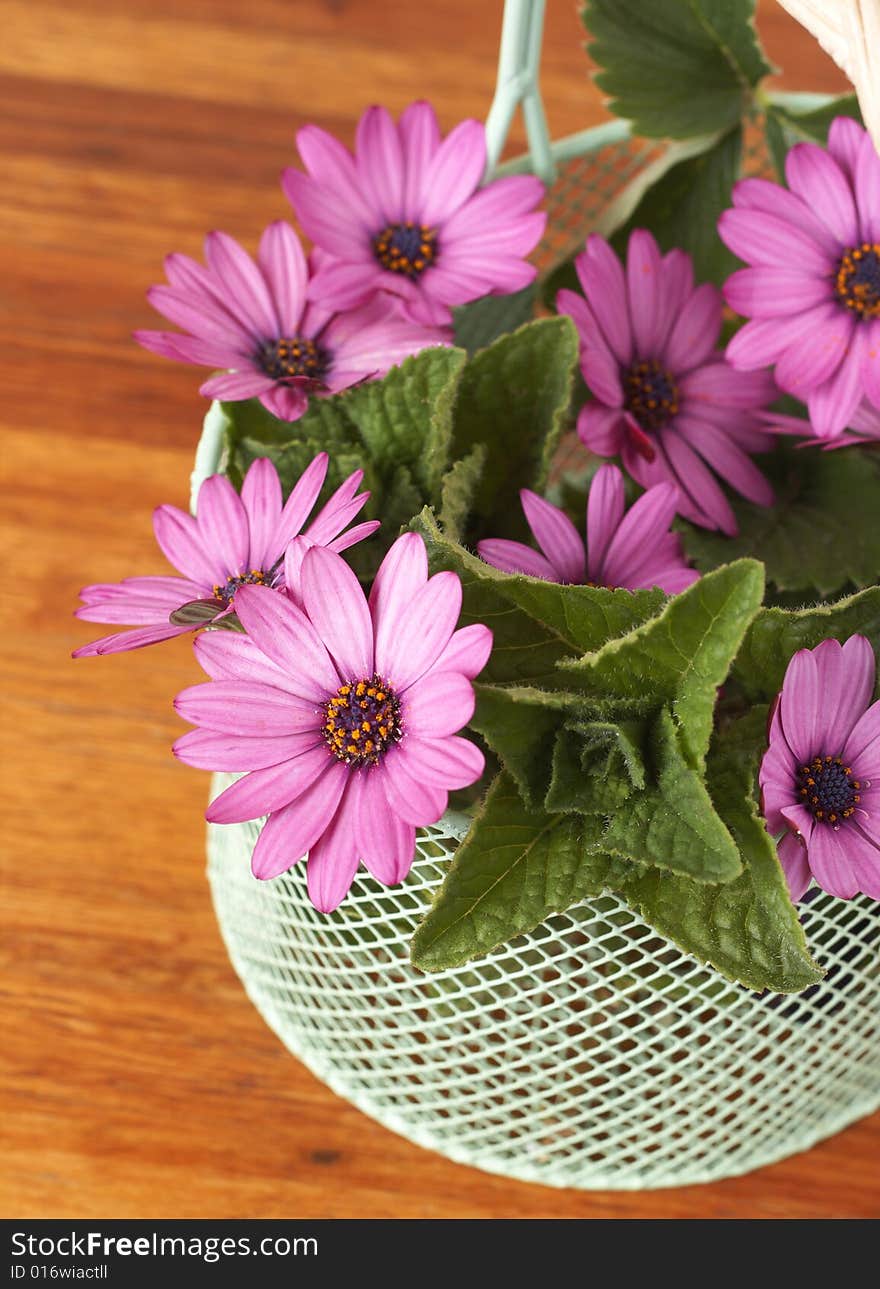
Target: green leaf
point(514, 399)
point(325, 422)
point(776, 635)
point(682, 208)
point(457, 491)
point(520, 724)
point(599, 772)
point(748, 929)
point(672, 824)
point(676, 68)
point(397, 429)
point(195, 613)
point(822, 532)
point(777, 144)
point(814, 123)
point(785, 124)
point(513, 868)
point(679, 657)
point(406, 418)
point(479, 324)
point(536, 624)
point(516, 867)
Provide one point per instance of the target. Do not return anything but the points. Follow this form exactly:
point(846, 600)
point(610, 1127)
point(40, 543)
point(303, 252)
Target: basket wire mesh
point(591, 1052)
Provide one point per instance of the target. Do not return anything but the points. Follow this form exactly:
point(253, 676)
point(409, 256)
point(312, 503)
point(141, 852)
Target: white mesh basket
point(590, 1053)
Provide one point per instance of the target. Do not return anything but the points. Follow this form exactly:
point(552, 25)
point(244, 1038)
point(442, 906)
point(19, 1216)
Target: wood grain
point(136, 1079)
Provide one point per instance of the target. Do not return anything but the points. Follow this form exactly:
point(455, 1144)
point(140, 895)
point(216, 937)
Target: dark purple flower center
point(828, 790)
point(361, 721)
point(292, 356)
point(857, 281)
point(650, 394)
point(406, 248)
point(256, 577)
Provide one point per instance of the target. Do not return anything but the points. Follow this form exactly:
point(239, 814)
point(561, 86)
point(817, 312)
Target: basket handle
point(518, 68)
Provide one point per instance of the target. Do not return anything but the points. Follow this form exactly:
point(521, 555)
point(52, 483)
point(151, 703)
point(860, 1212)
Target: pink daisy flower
point(820, 776)
point(632, 551)
point(253, 319)
point(666, 400)
point(234, 541)
point(863, 427)
point(407, 215)
point(343, 716)
point(813, 286)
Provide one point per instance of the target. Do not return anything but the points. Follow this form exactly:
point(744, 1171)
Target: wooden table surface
point(136, 1079)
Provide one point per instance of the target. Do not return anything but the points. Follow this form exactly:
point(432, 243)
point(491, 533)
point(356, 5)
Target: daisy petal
point(600, 429)
point(402, 574)
point(249, 708)
point(299, 504)
point(515, 557)
point(228, 655)
point(380, 165)
point(830, 863)
point(425, 627)
point(235, 268)
point(335, 604)
point(467, 652)
point(439, 704)
point(420, 139)
point(799, 706)
point(290, 832)
point(643, 272)
point(815, 176)
point(263, 791)
point(411, 799)
point(443, 762)
point(604, 284)
point(454, 172)
point(223, 524)
point(284, 267)
point(832, 404)
point(556, 535)
point(386, 845)
point(846, 682)
point(217, 750)
point(286, 635)
point(261, 498)
point(183, 546)
point(793, 858)
point(333, 857)
point(605, 503)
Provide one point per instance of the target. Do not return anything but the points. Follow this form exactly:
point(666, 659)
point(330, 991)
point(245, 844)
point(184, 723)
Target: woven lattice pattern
point(584, 188)
point(589, 1053)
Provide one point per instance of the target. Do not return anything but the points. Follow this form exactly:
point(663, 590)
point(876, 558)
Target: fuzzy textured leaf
point(597, 765)
point(676, 68)
point(401, 423)
point(822, 532)
point(776, 634)
point(672, 824)
point(406, 418)
point(513, 868)
point(520, 724)
point(514, 398)
point(748, 929)
point(679, 657)
point(479, 324)
point(457, 490)
point(536, 624)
